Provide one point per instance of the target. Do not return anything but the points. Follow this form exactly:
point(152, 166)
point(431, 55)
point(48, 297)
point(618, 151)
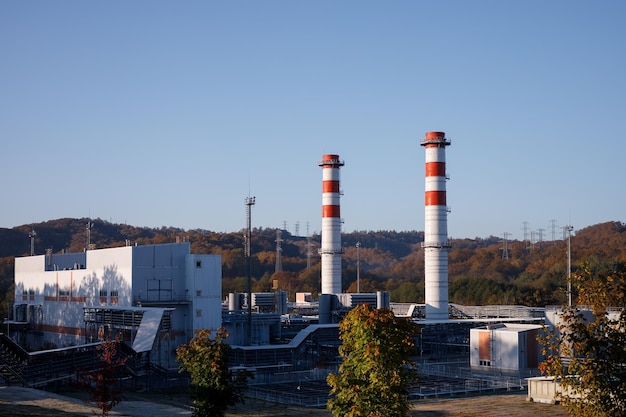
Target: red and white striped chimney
point(331, 225)
point(436, 243)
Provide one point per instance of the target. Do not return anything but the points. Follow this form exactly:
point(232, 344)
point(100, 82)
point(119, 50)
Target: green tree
point(377, 369)
point(214, 387)
point(587, 353)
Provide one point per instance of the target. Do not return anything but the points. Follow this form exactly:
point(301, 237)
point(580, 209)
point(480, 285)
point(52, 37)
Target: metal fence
point(309, 388)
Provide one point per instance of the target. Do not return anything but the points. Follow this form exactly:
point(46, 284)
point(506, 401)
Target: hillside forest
point(482, 271)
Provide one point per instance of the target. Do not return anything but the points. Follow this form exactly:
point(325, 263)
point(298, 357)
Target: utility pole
point(569, 230)
point(279, 250)
point(358, 268)
point(32, 235)
point(90, 246)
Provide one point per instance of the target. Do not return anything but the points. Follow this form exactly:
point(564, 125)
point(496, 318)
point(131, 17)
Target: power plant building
point(156, 296)
point(151, 295)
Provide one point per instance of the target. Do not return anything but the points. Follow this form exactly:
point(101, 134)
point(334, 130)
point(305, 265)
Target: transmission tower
point(540, 232)
point(505, 245)
point(553, 229)
point(526, 242)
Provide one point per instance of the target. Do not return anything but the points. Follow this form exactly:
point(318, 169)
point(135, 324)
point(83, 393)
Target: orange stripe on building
point(435, 169)
point(65, 298)
point(330, 211)
point(76, 331)
point(435, 198)
point(484, 345)
point(330, 186)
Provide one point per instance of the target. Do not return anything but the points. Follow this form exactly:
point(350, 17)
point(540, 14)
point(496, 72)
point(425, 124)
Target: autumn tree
point(102, 380)
point(214, 387)
point(587, 352)
point(377, 369)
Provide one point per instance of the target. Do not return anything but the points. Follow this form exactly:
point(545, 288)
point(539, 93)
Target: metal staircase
point(13, 360)
point(37, 369)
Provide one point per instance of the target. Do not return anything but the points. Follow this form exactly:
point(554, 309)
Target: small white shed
point(505, 346)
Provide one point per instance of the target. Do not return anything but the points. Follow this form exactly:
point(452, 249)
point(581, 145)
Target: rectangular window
point(114, 293)
point(103, 293)
point(198, 313)
point(199, 293)
point(198, 264)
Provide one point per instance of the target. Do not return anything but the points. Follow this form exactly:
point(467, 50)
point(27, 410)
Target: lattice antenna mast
point(279, 250)
point(90, 246)
point(32, 235)
point(250, 201)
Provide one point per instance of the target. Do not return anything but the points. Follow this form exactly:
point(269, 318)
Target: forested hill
point(480, 272)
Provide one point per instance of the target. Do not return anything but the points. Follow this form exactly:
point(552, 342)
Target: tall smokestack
point(331, 225)
point(436, 243)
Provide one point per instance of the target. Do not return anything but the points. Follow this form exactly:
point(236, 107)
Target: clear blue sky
point(170, 113)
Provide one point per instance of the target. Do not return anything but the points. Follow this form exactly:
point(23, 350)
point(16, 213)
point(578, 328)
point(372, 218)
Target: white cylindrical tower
point(331, 225)
point(436, 243)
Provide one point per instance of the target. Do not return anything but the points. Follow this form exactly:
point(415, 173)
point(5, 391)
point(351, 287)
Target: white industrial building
point(505, 346)
point(154, 296)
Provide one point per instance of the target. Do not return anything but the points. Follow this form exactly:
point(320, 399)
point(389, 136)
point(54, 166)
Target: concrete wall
point(60, 295)
point(204, 282)
point(543, 390)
